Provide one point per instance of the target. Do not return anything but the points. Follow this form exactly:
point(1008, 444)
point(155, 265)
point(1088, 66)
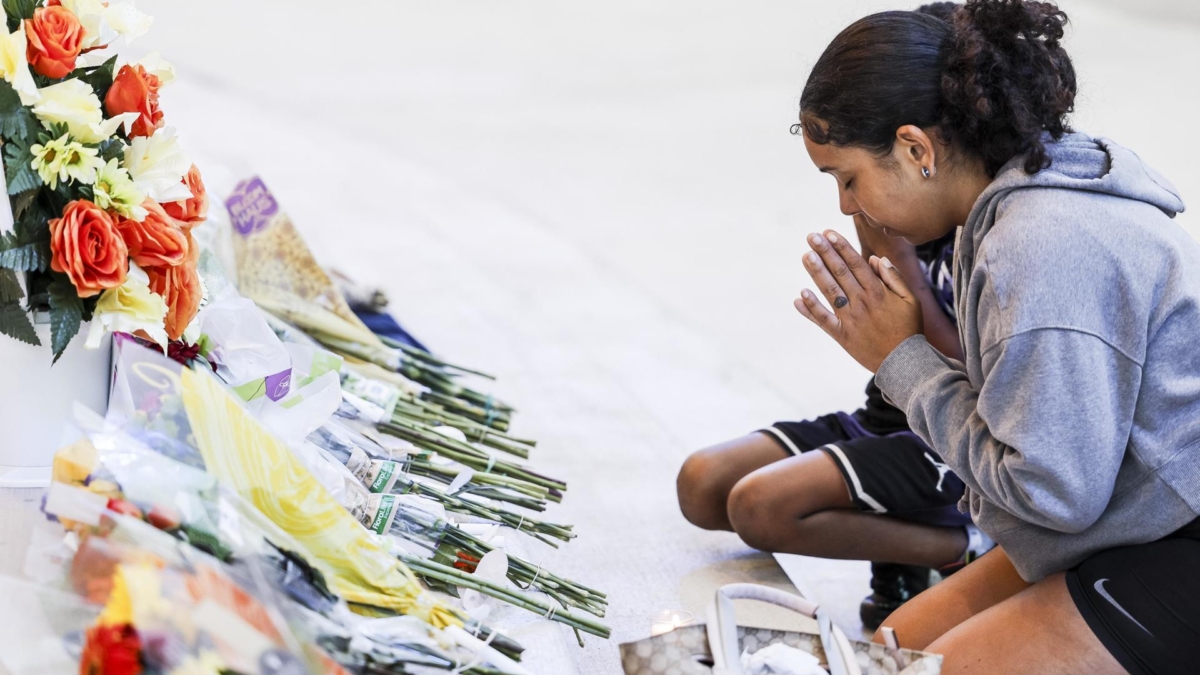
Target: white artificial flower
point(14, 63)
point(157, 165)
point(104, 22)
point(82, 163)
point(155, 64)
point(49, 158)
point(64, 160)
point(114, 191)
point(74, 103)
point(128, 308)
point(96, 31)
point(126, 20)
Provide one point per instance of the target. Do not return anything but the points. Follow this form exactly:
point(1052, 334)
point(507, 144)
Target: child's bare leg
point(707, 477)
point(801, 505)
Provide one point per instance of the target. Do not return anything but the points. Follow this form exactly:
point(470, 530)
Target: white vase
point(36, 401)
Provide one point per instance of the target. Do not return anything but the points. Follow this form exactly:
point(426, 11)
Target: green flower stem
point(465, 454)
point(451, 575)
point(537, 529)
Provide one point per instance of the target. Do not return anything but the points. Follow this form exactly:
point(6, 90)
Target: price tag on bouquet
point(382, 394)
point(378, 475)
point(379, 513)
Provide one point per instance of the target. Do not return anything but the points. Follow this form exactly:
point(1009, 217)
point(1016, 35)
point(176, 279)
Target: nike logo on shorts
point(1104, 594)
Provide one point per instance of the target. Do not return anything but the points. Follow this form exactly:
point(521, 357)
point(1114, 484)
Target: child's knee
point(753, 514)
point(700, 497)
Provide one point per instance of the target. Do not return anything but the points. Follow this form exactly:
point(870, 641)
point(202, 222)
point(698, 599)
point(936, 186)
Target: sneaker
point(978, 543)
point(892, 586)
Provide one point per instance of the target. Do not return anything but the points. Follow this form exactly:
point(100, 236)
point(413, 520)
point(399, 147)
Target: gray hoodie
point(1075, 419)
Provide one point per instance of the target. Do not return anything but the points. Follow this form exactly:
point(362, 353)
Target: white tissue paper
point(780, 659)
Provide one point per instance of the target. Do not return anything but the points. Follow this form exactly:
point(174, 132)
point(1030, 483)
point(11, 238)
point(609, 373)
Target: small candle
point(670, 619)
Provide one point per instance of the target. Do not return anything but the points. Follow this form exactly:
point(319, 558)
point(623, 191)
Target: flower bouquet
point(118, 495)
point(209, 428)
point(102, 198)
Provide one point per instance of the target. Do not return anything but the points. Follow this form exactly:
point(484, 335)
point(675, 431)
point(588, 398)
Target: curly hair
point(991, 76)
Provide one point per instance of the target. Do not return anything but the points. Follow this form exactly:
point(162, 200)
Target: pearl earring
point(925, 172)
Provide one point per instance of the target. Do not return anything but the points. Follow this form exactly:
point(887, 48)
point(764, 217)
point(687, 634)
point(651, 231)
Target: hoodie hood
point(1077, 162)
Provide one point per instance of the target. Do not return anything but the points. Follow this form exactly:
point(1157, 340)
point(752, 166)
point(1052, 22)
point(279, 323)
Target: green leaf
point(10, 287)
point(18, 11)
point(18, 162)
point(14, 322)
point(31, 257)
point(112, 149)
point(99, 78)
point(66, 314)
point(16, 121)
point(27, 247)
point(21, 203)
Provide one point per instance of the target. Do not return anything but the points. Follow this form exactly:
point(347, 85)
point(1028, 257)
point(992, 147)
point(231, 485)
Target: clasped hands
point(873, 308)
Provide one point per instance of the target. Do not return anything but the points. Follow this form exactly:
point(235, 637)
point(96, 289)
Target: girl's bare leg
point(986, 621)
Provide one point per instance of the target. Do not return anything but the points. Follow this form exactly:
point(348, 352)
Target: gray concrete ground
point(602, 204)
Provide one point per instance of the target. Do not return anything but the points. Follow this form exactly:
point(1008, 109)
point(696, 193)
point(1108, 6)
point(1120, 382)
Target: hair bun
point(1005, 21)
point(1007, 80)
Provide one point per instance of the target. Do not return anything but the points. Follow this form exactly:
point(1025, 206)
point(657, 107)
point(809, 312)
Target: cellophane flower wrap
point(189, 415)
point(102, 197)
point(166, 606)
point(194, 516)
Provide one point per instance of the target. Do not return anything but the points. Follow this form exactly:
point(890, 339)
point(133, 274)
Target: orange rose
point(135, 91)
point(55, 38)
point(157, 241)
point(180, 288)
point(86, 245)
point(190, 212)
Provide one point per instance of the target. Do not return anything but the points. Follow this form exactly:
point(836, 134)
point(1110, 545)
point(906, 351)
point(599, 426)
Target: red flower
point(125, 508)
point(193, 211)
point(111, 650)
point(466, 562)
point(164, 518)
point(135, 91)
point(86, 244)
point(55, 38)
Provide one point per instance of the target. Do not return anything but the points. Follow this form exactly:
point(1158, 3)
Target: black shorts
point(1143, 603)
point(893, 473)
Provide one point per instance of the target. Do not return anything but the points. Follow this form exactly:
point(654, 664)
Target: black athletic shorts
point(1143, 602)
point(888, 469)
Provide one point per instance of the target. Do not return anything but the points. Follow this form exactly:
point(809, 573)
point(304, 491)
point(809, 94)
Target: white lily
point(157, 165)
point(14, 64)
point(74, 103)
point(128, 308)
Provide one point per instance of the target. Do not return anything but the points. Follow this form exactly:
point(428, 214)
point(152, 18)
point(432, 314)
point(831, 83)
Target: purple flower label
point(251, 206)
point(279, 384)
